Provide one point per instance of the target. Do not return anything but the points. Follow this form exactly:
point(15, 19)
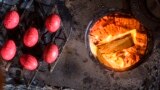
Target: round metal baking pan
point(124, 13)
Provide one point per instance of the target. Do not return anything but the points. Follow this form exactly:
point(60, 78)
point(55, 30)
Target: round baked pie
point(118, 41)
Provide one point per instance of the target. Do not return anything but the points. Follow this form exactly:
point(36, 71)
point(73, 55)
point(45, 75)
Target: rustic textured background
point(75, 68)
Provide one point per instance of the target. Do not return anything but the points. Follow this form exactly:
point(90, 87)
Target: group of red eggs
point(30, 39)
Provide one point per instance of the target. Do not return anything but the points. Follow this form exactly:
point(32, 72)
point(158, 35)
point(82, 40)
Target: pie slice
point(117, 45)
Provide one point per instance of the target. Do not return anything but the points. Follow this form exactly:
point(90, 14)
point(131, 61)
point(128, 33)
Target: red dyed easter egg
point(8, 50)
point(50, 53)
point(53, 23)
point(11, 20)
point(30, 37)
point(29, 62)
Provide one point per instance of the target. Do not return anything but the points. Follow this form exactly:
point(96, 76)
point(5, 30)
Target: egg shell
point(31, 37)
point(50, 53)
point(29, 62)
point(8, 50)
point(11, 20)
point(53, 23)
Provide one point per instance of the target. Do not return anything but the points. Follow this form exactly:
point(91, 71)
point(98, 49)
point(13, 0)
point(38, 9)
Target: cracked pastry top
point(118, 41)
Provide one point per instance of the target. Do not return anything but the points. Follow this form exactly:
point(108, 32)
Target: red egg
point(30, 37)
point(50, 53)
point(53, 23)
point(8, 50)
point(11, 20)
point(29, 62)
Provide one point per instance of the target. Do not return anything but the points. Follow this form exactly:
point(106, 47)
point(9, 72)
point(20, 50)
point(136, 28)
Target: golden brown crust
point(121, 55)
